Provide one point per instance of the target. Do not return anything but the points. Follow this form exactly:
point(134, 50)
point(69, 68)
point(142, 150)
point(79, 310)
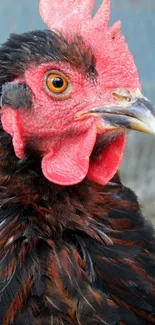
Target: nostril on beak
point(121, 94)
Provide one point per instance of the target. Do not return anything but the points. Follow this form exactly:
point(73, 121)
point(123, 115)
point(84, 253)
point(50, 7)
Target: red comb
point(72, 16)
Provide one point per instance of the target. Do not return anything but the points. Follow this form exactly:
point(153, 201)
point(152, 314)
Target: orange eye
point(57, 83)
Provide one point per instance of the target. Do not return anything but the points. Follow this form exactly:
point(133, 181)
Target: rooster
point(74, 246)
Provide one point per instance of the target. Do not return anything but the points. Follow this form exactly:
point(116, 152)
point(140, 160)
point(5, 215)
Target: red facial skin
point(64, 144)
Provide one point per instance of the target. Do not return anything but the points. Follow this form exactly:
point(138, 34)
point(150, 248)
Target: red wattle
point(68, 164)
point(108, 162)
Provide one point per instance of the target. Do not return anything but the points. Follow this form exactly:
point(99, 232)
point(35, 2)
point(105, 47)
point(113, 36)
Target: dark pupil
point(57, 82)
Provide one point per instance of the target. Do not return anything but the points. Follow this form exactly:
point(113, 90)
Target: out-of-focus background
point(138, 25)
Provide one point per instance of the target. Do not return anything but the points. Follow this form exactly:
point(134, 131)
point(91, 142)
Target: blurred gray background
point(138, 25)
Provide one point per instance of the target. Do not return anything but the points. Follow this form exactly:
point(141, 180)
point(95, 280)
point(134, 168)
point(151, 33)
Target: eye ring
point(57, 83)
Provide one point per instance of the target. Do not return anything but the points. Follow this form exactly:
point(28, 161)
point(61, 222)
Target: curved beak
point(138, 114)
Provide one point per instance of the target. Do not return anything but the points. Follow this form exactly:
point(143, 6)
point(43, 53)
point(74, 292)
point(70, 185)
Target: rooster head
point(72, 92)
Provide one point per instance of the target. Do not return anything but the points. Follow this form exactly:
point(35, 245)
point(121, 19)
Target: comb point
point(102, 16)
point(115, 30)
point(66, 15)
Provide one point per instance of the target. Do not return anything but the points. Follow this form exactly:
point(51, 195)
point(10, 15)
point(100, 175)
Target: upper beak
point(138, 114)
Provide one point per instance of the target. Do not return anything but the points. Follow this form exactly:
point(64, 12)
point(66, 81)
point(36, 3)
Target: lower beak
point(137, 115)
